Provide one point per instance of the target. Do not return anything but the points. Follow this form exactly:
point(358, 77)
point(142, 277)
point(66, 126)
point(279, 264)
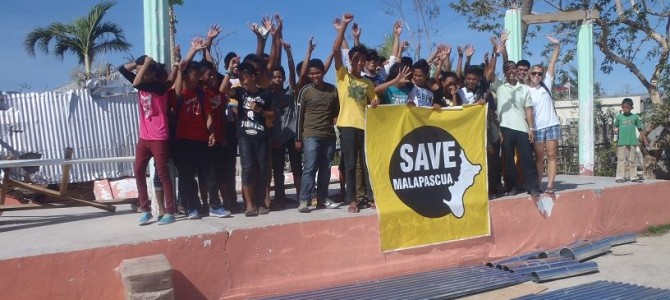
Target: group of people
point(200, 113)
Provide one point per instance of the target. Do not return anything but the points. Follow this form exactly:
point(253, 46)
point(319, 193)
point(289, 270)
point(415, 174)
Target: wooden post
point(66, 167)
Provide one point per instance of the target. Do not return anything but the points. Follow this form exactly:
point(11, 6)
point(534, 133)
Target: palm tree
point(86, 37)
point(173, 23)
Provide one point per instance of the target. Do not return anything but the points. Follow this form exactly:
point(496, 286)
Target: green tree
point(86, 37)
point(628, 34)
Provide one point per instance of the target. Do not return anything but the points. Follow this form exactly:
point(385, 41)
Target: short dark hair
point(447, 74)
point(247, 68)
point(628, 101)
point(193, 66)
point(252, 58)
point(316, 63)
point(372, 55)
point(228, 58)
point(280, 69)
point(508, 64)
point(407, 61)
point(358, 49)
point(523, 63)
point(473, 70)
point(423, 65)
point(205, 64)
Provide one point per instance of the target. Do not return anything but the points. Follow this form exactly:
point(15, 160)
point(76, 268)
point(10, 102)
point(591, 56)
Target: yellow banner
point(428, 174)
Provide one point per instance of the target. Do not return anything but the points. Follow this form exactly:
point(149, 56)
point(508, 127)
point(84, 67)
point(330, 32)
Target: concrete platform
point(72, 253)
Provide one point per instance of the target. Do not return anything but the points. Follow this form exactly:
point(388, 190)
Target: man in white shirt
point(515, 112)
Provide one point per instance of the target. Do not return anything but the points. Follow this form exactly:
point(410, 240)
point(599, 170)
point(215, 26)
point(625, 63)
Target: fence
point(45, 123)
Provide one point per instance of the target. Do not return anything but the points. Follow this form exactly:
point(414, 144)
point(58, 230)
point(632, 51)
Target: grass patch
point(657, 230)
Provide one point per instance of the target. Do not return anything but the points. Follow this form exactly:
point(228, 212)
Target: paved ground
point(59, 230)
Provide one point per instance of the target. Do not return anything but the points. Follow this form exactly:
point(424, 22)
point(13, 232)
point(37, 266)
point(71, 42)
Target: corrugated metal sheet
point(602, 290)
point(48, 122)
point(442, 284)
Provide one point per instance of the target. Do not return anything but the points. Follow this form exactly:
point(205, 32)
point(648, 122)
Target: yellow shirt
point(355, 94)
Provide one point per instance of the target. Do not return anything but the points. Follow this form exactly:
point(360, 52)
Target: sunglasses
point(536, 73)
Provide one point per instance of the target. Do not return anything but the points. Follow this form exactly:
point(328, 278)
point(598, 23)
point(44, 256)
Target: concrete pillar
point(585, 79)
point(515, 41)
point(156, 45)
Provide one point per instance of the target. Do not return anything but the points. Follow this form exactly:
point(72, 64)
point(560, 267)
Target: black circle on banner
point(424, 165)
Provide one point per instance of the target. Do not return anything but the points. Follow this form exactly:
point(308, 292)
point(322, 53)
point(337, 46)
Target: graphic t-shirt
point(421, 96)
point(355, 94)
point(397, 95)
point(193, 107)
point(154, 116)
point(217, 102)
point(252, 124)
point(628, 126)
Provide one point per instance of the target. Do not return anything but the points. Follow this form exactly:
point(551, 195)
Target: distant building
point(568, 110)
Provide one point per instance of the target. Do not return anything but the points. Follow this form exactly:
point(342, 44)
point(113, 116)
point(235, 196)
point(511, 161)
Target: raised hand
point(553, 40)
point(347, 18)
point(469, 50)
point(337, 23)
point(404, 46)
point(486, 58)
point(267, 22)
point(397, 27)
point(405, 75)
point(198, 43)
point(287, 46)
point(494, 41)
point(176, 52)
point(356, 31)
point(233, 62)
point(279, 22)
point(213, 32)
point(254, 28)
point(504, 36)
point(311, 45)
point(460, 50)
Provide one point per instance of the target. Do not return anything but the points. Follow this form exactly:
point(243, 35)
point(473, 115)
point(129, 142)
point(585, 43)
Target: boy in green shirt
point(625, 126)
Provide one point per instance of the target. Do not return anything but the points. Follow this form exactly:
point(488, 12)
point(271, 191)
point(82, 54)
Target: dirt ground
point(645, 262)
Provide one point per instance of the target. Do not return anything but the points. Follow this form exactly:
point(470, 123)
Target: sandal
point(549, 190)
point(353, 207)
point(251, 213)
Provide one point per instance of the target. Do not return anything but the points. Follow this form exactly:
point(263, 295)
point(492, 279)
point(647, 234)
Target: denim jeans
point(317, 155)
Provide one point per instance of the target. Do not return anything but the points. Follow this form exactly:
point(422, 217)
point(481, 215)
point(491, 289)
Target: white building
point(568, 110)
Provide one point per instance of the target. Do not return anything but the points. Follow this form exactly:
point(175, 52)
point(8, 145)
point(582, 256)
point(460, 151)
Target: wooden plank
point(50, 162)
point(65, 174)
point(575, 15)
point(63, 204)
point(56, 194)
point(5, 186)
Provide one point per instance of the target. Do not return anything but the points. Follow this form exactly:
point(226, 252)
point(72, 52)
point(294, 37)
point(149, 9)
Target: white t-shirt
point(544, 112)
point(512, 103)
point(466, 97)
point(421, 96)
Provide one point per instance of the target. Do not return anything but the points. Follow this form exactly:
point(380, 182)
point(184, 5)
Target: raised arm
point(225, 83)
point(459, 65)
point(498, 47)
point(291, 65)
point(356, 33)
point(212, 33)
point(397, 31)
point(305, 62)
point(551, 67)
point(139, 78)
point(403, 77)
point(469, 51)
point(445, 56)
point(337, 45)
point(275, 50)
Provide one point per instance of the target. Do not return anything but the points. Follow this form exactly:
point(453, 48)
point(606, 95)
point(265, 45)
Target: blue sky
point(302, 18)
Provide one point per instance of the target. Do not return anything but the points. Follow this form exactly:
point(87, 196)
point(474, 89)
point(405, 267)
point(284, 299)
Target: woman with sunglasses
point(547, 124)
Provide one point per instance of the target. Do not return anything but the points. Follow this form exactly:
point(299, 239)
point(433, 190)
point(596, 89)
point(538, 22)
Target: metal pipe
point(521, 257)
point(550, 253)
point(563, 272)
point(621, 239)
point(533, 262)
point(587, 250)
point(554, 265)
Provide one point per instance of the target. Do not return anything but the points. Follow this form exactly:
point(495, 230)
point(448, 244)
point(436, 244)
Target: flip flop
point(549, 190)
point(353, 208)
point(251, 213)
